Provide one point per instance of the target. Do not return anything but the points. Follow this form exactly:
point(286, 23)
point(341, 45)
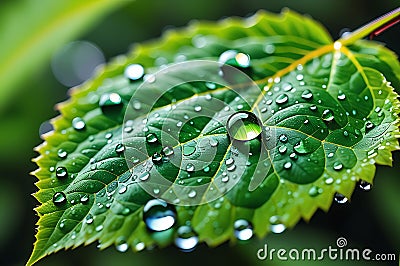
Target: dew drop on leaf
point(282, 149)
point(134, 72)
point(110, 103)
point(313, 108)
point(327, 115)
point(243, 229)
point(302, 148)
point(283, 138)
point(156, 158)
point(369, 126)
point(144, 176)
point(364, 185)
point(62, 153)
point(337, 166)
point(84, 199)
point(78, 123)
point(243, 126)
point(213, 142)
point(190, 167)
point(235, 59)
point(121, 246)
point(307, 95)
point(186, 238)
point(59, 198)
point(340, 198)
point(276, 226)
point(119, 148)
point(282, 98)
point(211, 85)
point(158, 215)
point(167, 151)
point(192, 194)
point(315, 191)
point(341, 96)
point(287, 165)
point(61, 172)
point(197, 108)
point(151, 138)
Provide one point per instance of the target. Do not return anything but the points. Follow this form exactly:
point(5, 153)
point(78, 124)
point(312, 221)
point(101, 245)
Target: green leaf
point(313, 122)
point(31, 32)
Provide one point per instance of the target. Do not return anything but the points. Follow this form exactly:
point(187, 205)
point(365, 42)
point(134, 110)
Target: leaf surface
point(325, 113)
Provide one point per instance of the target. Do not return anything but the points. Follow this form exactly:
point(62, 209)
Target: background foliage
point(370, 220)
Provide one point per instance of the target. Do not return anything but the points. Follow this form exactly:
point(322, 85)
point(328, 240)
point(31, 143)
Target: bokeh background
point(372, 219)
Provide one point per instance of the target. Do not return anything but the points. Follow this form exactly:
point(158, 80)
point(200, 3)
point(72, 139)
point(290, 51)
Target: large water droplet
point(337, 166)
point(282, 149)
point(61, 172)
point(287, 165)
point(234, 58)
point(327, 115)
point(110, 103)
point(307, 95)
point(341, 96)
point(243, 229)
point(122, 246)
point(62, 154)
point(59, 198)
point(190, 167)
point(134, 72)
point(276, 226)
point(158, 215)
point(151, 138)
point(119, 148)
point(78, 123)
point(186, 238)
point(156, 158)
point(281, 99)
point(340, 198)
point(243, 126)
point(364, 185)
point(167, 151)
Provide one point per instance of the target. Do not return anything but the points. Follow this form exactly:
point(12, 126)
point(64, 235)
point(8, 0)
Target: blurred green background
point(372, 219)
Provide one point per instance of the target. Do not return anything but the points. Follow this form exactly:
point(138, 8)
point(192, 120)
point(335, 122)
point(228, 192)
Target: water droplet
point(192, 194)
point(156, 158)
point(307, 95)
point(281, 99)
point(189, 149)
point(301, 147)
point(340, 198)
point(364, 185)
point(337, 166)
point(197, 108)
point(315, 191)
point(59, 198)
point(158, 215)
point(144, 176)
point(134, 72)
point(293, 156)
point(229, 161)
point(167, 151)
point(206, 169)
point(211, 85)
point(78, 123)
point(369, 126)
point(84, 199)
point(122, 246)
point(287, 165)
point(282, 149)
point(99, 228)
point(62, 153)
point(89, 219)
point(341, 96)
point(329, 180)
point(190, 167)
point(186, 238)
point(300, 77)
point(61, 172)
point(151, 138)
point(110, 103)
point(122, 189)
point(327, 115)
point(243, 126)
point(276, 226)
point(313, 108)
point(243, 229)
point(120, 148)
point(213, 142)
point(234, 58)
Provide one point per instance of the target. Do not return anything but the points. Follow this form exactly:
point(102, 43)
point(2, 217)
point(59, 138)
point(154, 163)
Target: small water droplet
point(282, 149)
point(301, 147)
point(243, 229)
point(364, 185)
point(190, 167)
point(78, 123)
point(186, 238)
point(84, 199)
point(167, 151)
point(211, 85)
point(122, 189)
point(369, 126)
point(213, 142)
point(293, 156)
point(206, 169)
point(340, 198)
point(313, 108)
point(243, 126)
point(300, 77)
point(144, 176)
point(235, 59)
point(119, 148)
point(327, 115)
point(287, 165)
point(307, 95)
point(341, 96)
point(281, 99)
point(122, 246)
point(110, 103)
point(276, 226)
point(158, 215)
point(151, 138)
point(329, 180)
point(62, 154)
point(156, 158)
point(337, 166)
point(192, 194)
point(134, 72)
point(283, 138)
point(197, 108)
point(59, 198)
point(315, 191)
point(61, 172)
